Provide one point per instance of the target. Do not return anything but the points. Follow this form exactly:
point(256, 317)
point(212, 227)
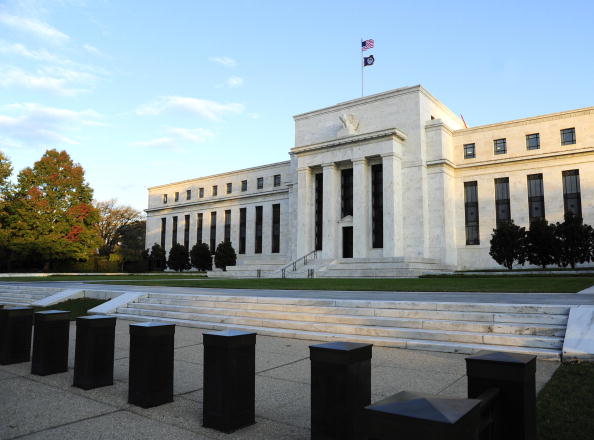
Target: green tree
point(508, 244)
point(113, 218)
point(5, 173)
point(49, 214)
point(200, 257)
point(157, 258)
point(542, 244)
point(131, 246)
point(225, 255)
point(575, 241)
point(179, 258)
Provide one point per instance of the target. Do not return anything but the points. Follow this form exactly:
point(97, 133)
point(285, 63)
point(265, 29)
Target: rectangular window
point(242, 229)
point(258, 242)
point(502, 206)
point(199, 225)
point(471, 212)
point(176, 196)
point(227, 225)
point(188, 194)
point(244, 185)
point(500, 146)
point(187, 231)
point(469, 151)
point(215, 190)
point(164, 198)
point(260, 183)
point(377, 206)
point(174, 231)
point(277, 180)
point(213, 232)
point(229, 188)
point(536, 205)
point(346, 192)
point(201, 192)
point(163, 231)
point(572, 199)
point(319, 210)
point(533, 141)
point(276, 228)
point(568, 136)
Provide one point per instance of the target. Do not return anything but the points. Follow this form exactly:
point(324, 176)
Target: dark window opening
point(471, 213)
point(319, 207)
point(502, 205)
point(258, 242)
point(276, 228)
point(260, 183)
point(164, 198)
point(229, 188)
point(188, 194)
point(244, 185)
point(536, 205)
point(187, 231)
point(377, 206)
point(174, 232)
point(177, 197)
point(242, 229)
point(568, 136)
point(199, 225)
point(500, 146)
point(277, 180)
point(227, 225)
point(201, 192)
point(469, 151)
point(572, 200)
point(533, 141)
point(215, 190)
point(346, 192)
point(213, 232)
point(163, 231)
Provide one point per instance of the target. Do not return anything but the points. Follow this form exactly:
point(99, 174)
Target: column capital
point(303, 169)
point(328, 165)
point(390, 154)
point(359, 160)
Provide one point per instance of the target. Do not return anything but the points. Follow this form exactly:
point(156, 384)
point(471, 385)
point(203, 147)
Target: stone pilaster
point(392, 205)
point(361, 208)
point(331, 206)
point(304, 211)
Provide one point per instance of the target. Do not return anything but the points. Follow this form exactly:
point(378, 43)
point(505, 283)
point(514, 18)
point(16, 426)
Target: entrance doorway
point(347, 242)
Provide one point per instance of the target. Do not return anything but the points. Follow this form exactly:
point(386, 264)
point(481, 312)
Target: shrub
point(157, 258)
point(225, 255)
point(179, 258)
point(200, 257)
point(508, 244)
point(575, 241)
point(542, 244)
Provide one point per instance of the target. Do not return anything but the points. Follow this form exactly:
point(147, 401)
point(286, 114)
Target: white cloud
point(177, 138)
point(54, 79)
point(234, 81)
point(35, 27)
point(211, 110)
point(22, 50)
point(92, 49)
point(31, 124)
point(225, 61)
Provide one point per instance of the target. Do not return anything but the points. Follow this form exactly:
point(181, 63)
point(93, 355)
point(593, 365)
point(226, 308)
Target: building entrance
point(347, 242)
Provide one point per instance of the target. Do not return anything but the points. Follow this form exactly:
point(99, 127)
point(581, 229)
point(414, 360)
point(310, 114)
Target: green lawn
point(527, 284)
point(565, 406)
point(82, 278)
point(76, 307)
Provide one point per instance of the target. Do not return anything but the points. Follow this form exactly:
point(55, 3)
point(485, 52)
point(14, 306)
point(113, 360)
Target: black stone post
point(93, 356)
point(151, 364)
point(340, 388)
point(229, 379)
point(513, 375)
point(50, 342)
point(15, 334)
point(416, 416)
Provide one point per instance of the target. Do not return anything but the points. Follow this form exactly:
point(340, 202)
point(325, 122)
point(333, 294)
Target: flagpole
point(361, 46)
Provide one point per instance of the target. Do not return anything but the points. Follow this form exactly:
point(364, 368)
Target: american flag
point(367, 44)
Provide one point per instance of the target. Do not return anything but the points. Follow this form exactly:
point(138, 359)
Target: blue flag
point(368, 61)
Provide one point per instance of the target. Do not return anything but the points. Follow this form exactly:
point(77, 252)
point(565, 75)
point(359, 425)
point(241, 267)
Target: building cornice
point(526, 121)
point(391, 132)
point(216, 200)
point(229, 173)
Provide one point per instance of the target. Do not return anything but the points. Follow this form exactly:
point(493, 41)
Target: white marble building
point(386, 185)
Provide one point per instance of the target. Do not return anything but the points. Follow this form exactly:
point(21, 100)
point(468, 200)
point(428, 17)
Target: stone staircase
point(448, 327)
point(23, 295)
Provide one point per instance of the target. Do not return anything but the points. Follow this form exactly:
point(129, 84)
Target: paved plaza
point(35, 407)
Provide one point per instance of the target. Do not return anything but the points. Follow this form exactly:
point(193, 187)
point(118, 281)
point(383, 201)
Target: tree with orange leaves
point(49, 214)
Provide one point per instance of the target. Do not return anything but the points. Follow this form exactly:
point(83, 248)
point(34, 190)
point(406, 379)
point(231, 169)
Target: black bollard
point(15, 334)
point(514, 376)
point(340, 388)
point(416, 416)
point(50, 342)
point(93, 355)
point(151, 364)
point(229, 380)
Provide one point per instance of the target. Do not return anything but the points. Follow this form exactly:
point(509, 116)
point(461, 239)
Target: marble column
point(392, 205)
point(361, 208)
point(331, 206)
point(304, 213)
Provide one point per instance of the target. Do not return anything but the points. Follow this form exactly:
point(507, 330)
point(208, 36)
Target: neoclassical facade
point(392, 184)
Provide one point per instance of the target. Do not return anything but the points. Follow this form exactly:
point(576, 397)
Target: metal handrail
point(293, 264)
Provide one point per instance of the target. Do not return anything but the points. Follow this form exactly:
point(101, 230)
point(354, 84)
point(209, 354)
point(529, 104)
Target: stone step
point(464, 348)
point(429, 324)
point(549, 342)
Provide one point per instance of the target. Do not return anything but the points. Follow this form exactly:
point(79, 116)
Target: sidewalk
point(35, 407)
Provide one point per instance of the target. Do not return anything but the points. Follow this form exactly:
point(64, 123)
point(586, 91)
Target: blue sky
point(149, 92)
